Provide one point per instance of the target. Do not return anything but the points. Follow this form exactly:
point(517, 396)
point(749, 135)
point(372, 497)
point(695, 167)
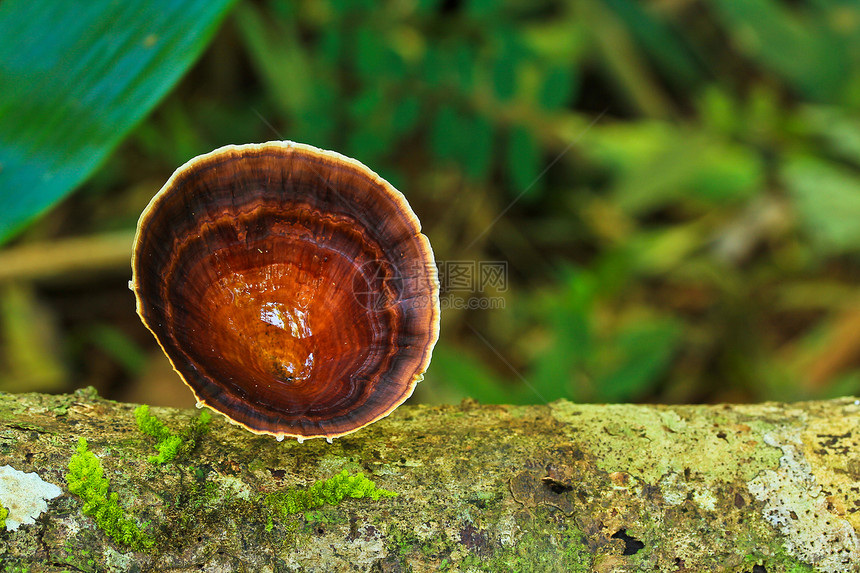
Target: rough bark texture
point(562, 487)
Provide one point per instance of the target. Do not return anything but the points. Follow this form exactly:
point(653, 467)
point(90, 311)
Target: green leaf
point(654, 164)
point(828, 201)
point(457, 366)
point(317, 124)
point(119, 346)
point(330, 45)
point(448, 65)
point(406, 114)
point(465, 138)
point(505, 76)
point(718, 111)
point(558, 87)
point(799, 46)
point(427, 6)
point(365, 104)
point(509, 53)
point(477, 155)
point(838, 127)
point(445, 136)
point(370, 57)
point(275, 52)
point(367, 144)
point(76, 78)
point(524, 163)
point(174, 134)
point(727, 172)
point(463, 63)
point(659, 40)
point(481, 9)
point(433, 68)
point(567, 313)
point(639, 356)
point(558, 369)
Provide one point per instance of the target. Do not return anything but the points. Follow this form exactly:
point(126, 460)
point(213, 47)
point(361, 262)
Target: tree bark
point(560, 487)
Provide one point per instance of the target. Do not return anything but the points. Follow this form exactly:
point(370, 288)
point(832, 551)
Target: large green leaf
point(75, 77)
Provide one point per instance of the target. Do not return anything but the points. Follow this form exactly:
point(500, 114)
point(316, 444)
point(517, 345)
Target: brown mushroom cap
point(290, 287)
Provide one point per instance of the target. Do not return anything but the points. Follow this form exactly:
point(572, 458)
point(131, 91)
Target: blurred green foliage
point(673, 186)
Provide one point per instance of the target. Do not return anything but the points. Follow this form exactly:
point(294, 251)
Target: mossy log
point(561, 487)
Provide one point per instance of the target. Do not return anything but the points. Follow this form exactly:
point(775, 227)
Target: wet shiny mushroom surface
point(290, 287)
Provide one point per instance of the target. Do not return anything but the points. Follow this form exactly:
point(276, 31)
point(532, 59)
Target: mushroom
point(290, 288)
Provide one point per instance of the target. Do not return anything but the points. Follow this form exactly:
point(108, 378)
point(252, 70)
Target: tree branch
point(561, 487)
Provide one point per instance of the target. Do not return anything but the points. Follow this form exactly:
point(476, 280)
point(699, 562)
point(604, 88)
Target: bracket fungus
point(290, 288)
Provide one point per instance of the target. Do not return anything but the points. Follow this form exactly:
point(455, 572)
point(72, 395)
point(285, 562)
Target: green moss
point(200, 494)
point(171, 446)
point(331, 491)
point(4, 513)
point(167, 450)
point(86, 479)
point(149, 424)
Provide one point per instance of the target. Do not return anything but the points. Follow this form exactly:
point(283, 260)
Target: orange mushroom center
point(287, 326)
